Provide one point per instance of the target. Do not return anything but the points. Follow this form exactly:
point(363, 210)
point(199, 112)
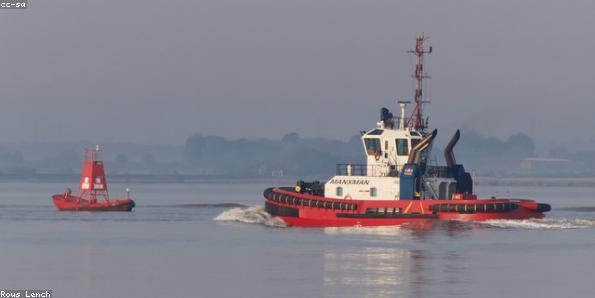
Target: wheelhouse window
point(376, 132)
point(373, 146)
point(339, 191)
point(402, 147)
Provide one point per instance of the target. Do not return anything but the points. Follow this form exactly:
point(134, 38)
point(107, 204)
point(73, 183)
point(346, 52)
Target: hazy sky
point(159, 71)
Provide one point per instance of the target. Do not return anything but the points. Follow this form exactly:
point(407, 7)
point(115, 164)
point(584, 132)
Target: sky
point(149, 71)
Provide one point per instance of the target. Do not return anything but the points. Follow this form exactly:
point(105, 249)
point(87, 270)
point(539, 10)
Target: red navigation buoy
point(93, 194)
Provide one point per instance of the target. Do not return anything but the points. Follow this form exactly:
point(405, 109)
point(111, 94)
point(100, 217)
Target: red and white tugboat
point(397, 185)
point(93, 194)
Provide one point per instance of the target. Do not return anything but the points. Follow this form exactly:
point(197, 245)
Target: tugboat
point(397, 184)
point(93, 194)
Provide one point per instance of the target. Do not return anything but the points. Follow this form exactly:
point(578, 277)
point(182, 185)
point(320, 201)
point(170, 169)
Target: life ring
point(377, 155)
point(347, 197)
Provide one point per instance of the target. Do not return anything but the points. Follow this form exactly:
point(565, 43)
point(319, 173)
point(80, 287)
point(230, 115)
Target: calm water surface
point(212, 240)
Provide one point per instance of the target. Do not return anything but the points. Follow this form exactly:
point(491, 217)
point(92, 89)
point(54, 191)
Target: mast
point(416, 120)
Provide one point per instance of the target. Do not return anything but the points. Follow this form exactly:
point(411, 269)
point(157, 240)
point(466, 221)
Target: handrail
point(436, 171)
point(365, 170)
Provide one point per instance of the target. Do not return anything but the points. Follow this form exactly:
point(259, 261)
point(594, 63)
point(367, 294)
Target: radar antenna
point(416, 120)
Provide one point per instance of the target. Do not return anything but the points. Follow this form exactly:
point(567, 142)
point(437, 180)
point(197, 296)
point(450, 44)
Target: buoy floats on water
point(93, 193)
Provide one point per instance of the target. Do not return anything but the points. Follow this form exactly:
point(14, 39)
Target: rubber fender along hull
point(305, 210)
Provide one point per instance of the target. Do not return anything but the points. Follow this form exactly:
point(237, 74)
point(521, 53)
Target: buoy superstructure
point(93, 194)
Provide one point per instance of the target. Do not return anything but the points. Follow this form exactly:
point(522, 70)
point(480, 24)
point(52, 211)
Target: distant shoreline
point(536, 181)
point(182, 179)
point(146, 178)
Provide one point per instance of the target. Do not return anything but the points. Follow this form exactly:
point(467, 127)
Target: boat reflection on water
point(415, 230)
point(377, 270)
point(396, 268)
point(393, 272)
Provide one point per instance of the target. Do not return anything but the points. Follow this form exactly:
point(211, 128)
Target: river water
point(215, 240)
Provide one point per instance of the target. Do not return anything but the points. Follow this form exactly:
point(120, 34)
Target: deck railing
point(366, 170)
point(384, 171)
point(437, 171)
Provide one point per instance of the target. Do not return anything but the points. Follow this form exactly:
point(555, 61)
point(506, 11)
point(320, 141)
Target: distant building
point(546, 164)
point(277, 173)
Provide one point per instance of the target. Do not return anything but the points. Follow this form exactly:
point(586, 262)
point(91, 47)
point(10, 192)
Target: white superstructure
point(388, 148)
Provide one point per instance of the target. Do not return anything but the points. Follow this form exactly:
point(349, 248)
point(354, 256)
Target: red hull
point(71, 203)
point(306, 210)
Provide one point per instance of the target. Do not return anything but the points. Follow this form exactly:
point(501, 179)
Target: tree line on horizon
point(315, 156)
point(291, 156)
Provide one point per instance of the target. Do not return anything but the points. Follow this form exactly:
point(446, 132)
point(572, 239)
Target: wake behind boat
point(93, 194)
point(397, 184)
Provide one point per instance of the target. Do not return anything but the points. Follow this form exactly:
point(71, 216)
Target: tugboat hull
point(304, 210)
point(72, 203)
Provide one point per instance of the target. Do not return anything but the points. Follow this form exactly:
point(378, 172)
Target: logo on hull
point(350, 181)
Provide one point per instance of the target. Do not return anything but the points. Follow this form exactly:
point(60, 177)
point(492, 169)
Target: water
point(214, 240)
